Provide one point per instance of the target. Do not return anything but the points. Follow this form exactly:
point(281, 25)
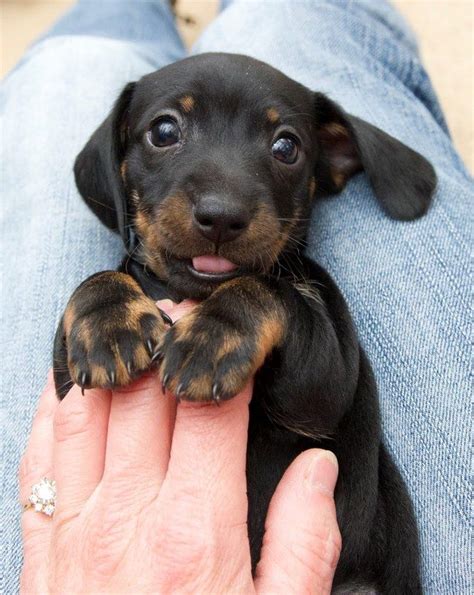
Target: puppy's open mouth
point(197, 277)
point(212, 268)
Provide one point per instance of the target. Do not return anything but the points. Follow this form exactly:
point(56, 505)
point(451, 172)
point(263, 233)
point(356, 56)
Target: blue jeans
point(406, 283)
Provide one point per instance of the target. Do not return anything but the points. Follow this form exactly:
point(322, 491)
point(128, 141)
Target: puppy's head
point(214, 162)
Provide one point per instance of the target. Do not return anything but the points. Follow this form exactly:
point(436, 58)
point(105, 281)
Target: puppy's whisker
point(296, 240)
point(101, 204)
point(292, 219)
point(289, 269)
point(68, 383)
point(297, 114)
point(130, 254)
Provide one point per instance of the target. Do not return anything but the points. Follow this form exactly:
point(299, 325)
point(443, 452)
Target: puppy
point(208, 169)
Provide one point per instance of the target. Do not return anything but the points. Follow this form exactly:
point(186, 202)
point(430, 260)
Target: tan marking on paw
point(122, 377)
point(127, 280)
point(199, 389)
point(229, 345)
point(69, 318)
point(74, 371)
point(141, 358)
point(85, 334)
point(270, 334)
point(185, 327)
point(135, 310)
point(99, 376)
point(133, 313)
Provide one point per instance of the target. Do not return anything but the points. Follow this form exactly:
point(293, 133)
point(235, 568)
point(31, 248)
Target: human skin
point(151, 497)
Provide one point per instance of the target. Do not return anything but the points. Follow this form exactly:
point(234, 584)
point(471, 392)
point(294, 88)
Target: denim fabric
point(406, 284)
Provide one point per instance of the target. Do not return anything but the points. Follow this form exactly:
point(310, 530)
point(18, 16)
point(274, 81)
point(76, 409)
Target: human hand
point(151, 497)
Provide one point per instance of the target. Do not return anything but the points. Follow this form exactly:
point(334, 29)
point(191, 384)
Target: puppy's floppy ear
point(401, 178)
point(97, 167)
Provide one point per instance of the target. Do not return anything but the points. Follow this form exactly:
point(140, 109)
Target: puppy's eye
point(285, 149)
point(164, 132)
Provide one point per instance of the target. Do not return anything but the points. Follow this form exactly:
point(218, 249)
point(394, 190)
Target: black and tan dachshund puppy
point(208, 169)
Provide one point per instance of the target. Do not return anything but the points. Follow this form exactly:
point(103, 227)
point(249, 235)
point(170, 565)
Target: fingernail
point(165, 304)
point(165, 317)
point(322, 474)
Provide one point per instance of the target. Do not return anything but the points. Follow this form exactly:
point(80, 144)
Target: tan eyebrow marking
point(187, 103)
point(273, 115)
point(335, 129)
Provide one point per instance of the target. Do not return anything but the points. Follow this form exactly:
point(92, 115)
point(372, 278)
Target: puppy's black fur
point(223, 155)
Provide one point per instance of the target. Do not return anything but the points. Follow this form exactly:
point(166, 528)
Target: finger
point(80, 433)
point(139, 436)
point(207, 464)
point(140, 427)
point(302, 542)
point(206, 481)
point(36, 463)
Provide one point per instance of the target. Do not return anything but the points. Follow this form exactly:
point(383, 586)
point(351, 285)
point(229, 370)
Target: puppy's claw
point(112, 377)
point(179, 391)
point(165, 382)
point(215, 394)
point(166, 318)
point(157, 356)
point(150, 348)
point(129, 368)
point(83, 381)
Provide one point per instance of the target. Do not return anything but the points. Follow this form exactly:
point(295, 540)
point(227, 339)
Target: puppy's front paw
point(208, 358)
point(111, 341)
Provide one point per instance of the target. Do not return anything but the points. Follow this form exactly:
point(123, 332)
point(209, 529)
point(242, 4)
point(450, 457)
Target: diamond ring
point(42, 497)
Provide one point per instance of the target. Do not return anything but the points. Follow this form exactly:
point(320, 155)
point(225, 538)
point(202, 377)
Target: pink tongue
point(213, 264)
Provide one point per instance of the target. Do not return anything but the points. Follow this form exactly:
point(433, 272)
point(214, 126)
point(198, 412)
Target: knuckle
point(43, 414)
point(108, 539)
point(327, 549)
point(334, 547)
point(47, 404)
point(195, 560)
point(31, 468)
point(313, 555)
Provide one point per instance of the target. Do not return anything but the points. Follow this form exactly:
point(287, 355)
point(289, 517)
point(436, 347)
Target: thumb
point(302, 541)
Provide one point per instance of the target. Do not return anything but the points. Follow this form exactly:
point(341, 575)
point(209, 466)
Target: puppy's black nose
point(220, 220)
